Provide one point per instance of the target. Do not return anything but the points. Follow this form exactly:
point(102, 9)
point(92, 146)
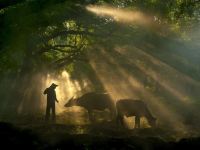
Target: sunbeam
point(177, 85)
point(121, 15)
point(121, 83)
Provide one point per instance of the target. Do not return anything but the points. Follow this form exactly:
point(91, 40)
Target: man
point(51, 98)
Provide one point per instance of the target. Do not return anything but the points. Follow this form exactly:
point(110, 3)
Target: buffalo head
point(152, 122)
point(71, 102)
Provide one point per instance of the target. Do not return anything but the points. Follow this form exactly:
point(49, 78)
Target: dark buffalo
point(93, 101)
point(137, 108)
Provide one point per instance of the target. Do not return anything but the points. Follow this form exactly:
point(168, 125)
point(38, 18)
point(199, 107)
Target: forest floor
point(102, 135)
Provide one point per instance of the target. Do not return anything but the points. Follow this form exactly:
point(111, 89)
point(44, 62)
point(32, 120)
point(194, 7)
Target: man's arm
point(56, 97)
point(45, 91)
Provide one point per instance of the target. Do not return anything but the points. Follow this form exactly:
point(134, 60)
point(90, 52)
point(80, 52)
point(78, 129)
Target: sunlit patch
point(73, 116)
point(66, 89)
point(121, 15)
point(130, 122)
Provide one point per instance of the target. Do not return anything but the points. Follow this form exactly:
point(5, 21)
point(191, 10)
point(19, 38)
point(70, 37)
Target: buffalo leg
point(53, 113)
point(120, 120)
point(137, 122)
point(91, 118)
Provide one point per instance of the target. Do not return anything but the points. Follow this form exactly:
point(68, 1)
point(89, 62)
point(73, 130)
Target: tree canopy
point(41, 32)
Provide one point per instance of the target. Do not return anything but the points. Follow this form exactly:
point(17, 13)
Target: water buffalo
point(137, 108)
point(93, 101)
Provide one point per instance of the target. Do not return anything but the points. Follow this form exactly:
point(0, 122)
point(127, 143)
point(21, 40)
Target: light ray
point(137, 90)
point(121, 15)
point(174, 85)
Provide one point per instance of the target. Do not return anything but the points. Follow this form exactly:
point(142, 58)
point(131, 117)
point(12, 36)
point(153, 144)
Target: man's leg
point(137, 121)
point(47, 113)
point(53, 112)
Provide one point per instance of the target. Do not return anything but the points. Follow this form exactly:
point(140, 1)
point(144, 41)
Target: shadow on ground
point(96, 136)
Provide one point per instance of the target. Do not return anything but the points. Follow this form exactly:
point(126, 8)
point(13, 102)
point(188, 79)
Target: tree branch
point(66, 32)
point(55, 47)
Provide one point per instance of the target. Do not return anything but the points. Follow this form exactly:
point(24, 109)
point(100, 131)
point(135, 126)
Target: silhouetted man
point(51, 98)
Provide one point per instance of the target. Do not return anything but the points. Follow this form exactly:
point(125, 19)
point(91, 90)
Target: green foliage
point(32, 30)
point(34, 34)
